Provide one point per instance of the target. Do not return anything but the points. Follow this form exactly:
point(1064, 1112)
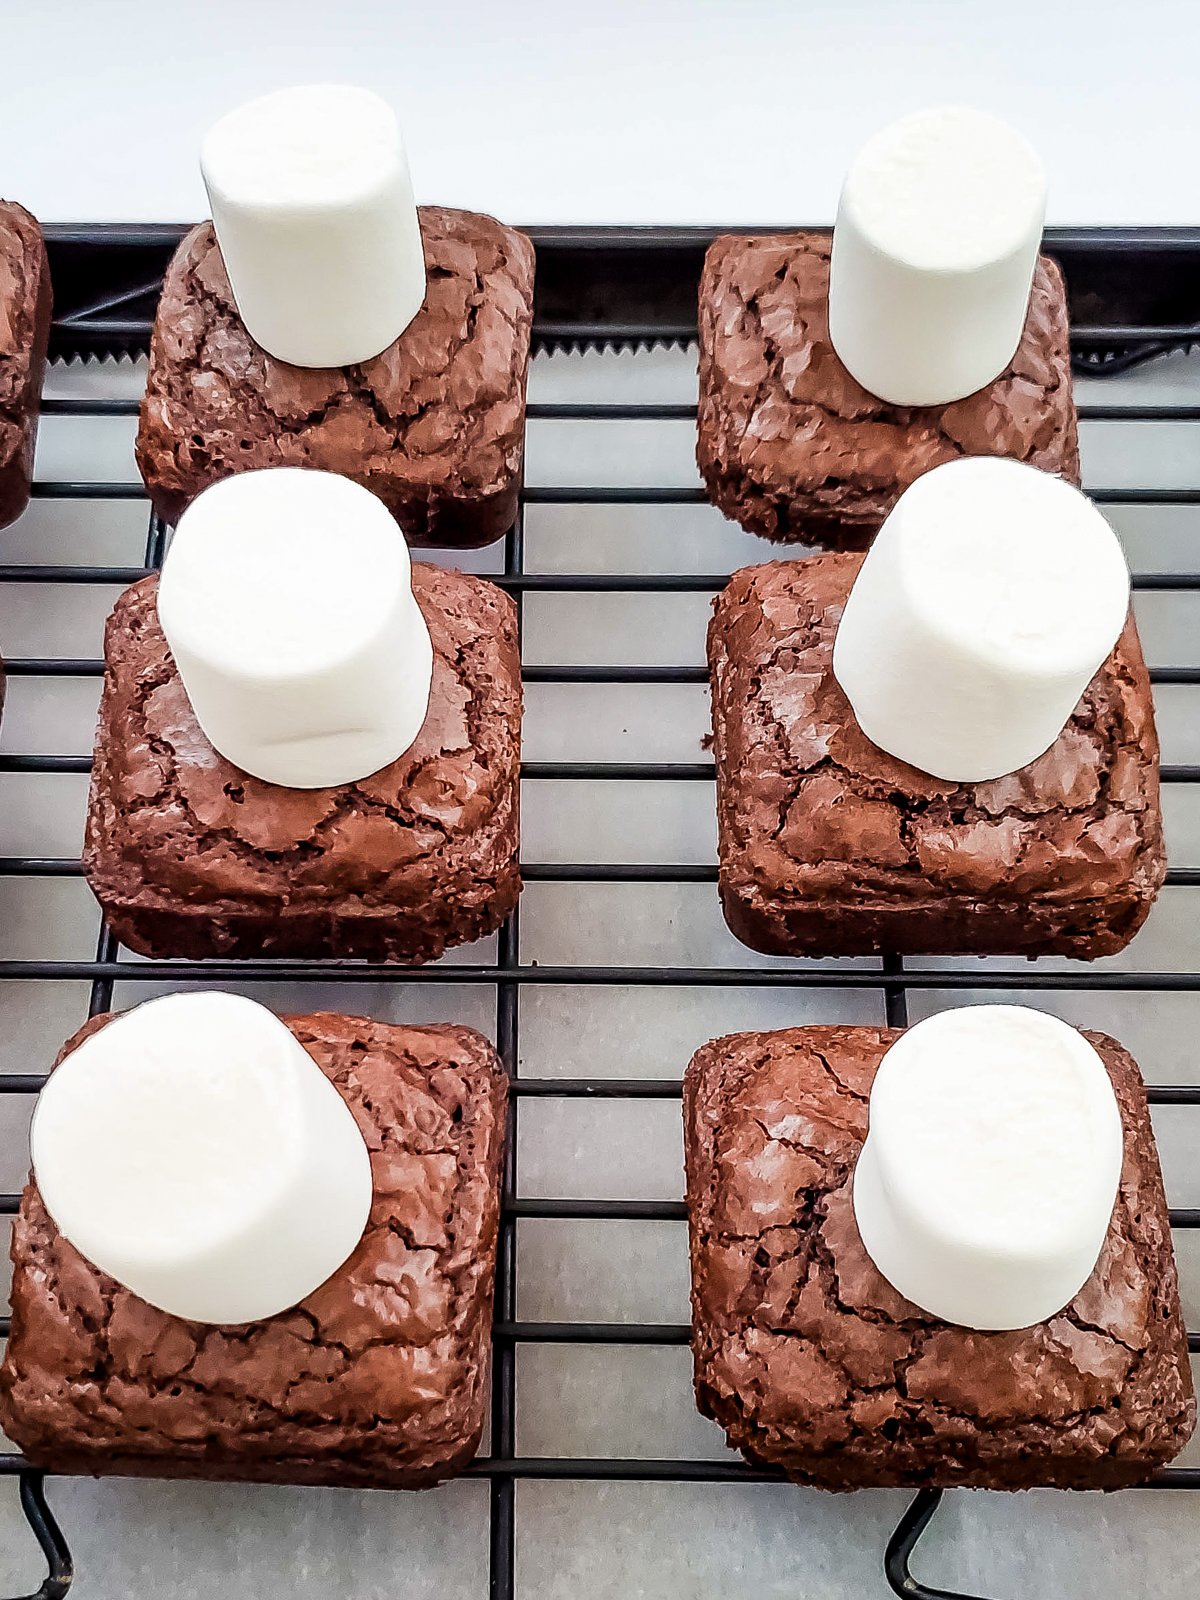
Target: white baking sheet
point(592, 1541)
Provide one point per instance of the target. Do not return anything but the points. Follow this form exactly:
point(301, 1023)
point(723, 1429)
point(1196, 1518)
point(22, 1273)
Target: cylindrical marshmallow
point(286, 598)
point(992, 594)
point(314, 213)
point(987, 1181)
point(934, 250)
point(194, 1151)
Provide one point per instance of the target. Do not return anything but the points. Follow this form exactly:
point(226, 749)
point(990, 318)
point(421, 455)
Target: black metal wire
point(530, 582)
point(619, 494)
point(77, 667)
point(531, 871)
point(902, 1544)
point(790, 976)
point(502, 1499)
point(60, 1569)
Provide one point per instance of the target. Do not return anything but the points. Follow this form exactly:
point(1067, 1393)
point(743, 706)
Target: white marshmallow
point(314, 213)
point(286, 598)
point(194, 1150)
point(989, 599)
point(934, 249)
point(987, 1181)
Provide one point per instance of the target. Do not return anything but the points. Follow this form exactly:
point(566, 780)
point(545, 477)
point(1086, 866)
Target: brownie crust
point(829, 846)
point(813, 1363)
point(189, 856)
point(379, 1378)
point(435, 425)
point(25, 306)
point(793, 448)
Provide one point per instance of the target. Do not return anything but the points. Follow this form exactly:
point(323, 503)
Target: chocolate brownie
point(829, 846)
point(435, 425)
point(793, 448)
point(25, 303)
point(189, 856)
point(377, 1378)
point(812, 1362)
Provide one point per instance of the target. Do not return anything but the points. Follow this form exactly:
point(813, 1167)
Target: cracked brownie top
point(811, 1360)
point(788, 437)
point(809, 807)
point(385, 1364)
point(442, 408)
point(170, 820)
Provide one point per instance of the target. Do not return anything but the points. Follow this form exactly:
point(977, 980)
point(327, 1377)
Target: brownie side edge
point(23, 368)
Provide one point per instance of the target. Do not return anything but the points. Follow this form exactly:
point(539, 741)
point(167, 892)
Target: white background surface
point(606, 110)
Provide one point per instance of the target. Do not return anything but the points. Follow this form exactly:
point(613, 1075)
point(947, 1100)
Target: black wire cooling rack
point(1134, 295)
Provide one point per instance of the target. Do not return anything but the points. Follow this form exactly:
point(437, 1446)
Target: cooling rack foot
point(902, 1544)
point(49, 1536)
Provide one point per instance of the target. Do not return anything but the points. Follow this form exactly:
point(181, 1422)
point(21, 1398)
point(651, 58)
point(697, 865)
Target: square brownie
point(435, 426)
point(25, 305)
point(813, 1363)
point(793, 448)
point(829, 846)
point(189, 856)
point(379, 1378)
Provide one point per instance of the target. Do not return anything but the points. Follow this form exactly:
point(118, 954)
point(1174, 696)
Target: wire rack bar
point(616, 1469)
point(617, 494)
point(685, 411)
point(502, 1501)
point(640, 410)
point(133, 333)
point(1170, 1094)
point(530, 582)
point(29, 1083)
point(540, 1208)
point(531, 871)
point(66, 667)
point(135, 970)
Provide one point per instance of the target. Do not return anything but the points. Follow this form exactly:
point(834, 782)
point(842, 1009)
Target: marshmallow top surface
point(160, 1119)
point(985, 1187)
point(286, 599)
point(194, 1151)
point(315, 144)
point(948, 189)
point(998, 1125)
point(1012, 566)
point(282, 570)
